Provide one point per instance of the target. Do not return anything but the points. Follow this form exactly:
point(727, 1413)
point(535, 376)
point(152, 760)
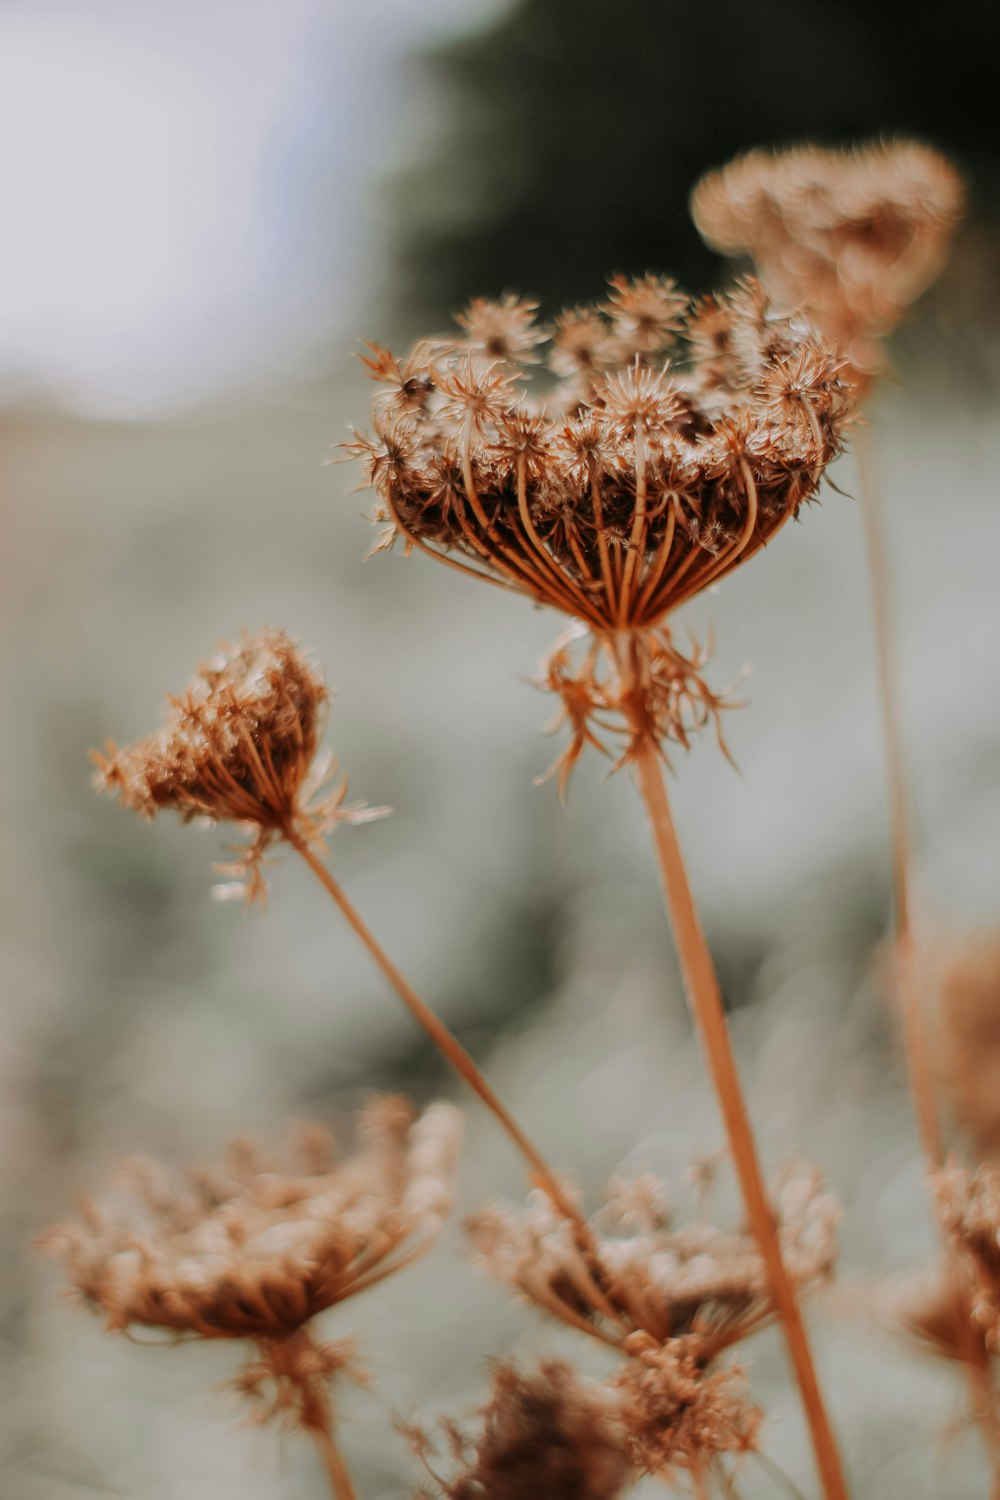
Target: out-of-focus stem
point(447, 1044)
point(914, 1024)
point(333, 1462)
point(705, 1001)
point(915, 1039)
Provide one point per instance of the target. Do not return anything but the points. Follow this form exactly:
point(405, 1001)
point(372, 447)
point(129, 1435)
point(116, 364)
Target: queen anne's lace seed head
point(851, 237)
point(578, 504)
point(257, 1247)
point(239, 744)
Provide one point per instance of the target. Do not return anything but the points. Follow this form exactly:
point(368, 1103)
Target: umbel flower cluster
point(255, 1248)
point(852, 236)
point(669, 444)
point(671, 1297)
point(239, 745)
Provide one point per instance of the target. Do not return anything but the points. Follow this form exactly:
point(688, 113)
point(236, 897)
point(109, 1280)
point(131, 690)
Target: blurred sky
point(184, 186)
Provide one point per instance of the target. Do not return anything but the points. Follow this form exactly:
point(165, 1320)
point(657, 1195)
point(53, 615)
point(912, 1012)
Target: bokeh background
point(206, 205)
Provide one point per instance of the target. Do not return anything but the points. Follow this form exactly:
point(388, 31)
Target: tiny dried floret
point(853, 237)
point(239, 744)
point(678, 1416)
point(544, 1435)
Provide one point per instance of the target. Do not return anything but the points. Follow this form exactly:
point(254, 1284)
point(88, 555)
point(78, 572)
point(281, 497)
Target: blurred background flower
point(206, 205)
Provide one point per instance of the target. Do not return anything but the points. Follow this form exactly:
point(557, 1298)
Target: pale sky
point(186, 186)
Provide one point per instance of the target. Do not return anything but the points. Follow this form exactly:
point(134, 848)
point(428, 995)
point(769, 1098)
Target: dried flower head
point(672, 445)
point(257, 1247)
point(676, 1415)
point(633, 494)
point(852, 237)
point(968, 1209)
point(549, 1434)
point(967, 982)
point(642, 1272)
point(239, 744)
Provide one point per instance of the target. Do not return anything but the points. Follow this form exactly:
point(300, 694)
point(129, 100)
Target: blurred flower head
point(851, 237)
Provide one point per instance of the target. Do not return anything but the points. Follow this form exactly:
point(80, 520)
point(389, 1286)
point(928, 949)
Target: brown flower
point(641, 1272)
point(549, 1434)
point(257, 1247)
point(240, 745)
point(599, 528)
point(672, 445)
point(852, 237)
point(966, 974)
point(968, 1208)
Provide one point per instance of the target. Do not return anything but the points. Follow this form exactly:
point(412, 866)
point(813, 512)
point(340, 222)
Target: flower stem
point(442, 1038)
point(915, 1040)
point(705, 1001)
point(916, 1044)
point(333, 1462)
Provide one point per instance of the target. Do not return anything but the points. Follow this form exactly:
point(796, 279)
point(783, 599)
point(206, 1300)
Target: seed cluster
point(852, 237)
point(670, 444)
point(257, 1247)
point(239, 744)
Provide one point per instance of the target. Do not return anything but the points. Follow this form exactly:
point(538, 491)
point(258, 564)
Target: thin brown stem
point(333, 1462)
point(915, 1038)
point(916, 1043)
point(439, 1034)
point(705, 1001)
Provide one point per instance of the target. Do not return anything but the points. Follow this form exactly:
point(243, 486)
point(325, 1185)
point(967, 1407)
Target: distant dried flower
point(640, 1272)
point(968, 1208)
point(668, 452)
point(547, 1435)
point(257, 1247)
point(240, 745)
point(851, 237)
point(675, 1414)
point(966, 976)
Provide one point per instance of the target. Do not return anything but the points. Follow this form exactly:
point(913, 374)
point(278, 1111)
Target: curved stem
point(705, 1001)
point(442, 1038)
point(333, 1462)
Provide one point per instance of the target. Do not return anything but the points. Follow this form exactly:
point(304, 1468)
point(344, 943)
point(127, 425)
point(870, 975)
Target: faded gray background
point(206, 206)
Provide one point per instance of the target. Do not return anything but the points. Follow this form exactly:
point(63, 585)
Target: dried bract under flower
point(850, 236)
point(239, 744)
point(549, 1434)
point(256, 1248)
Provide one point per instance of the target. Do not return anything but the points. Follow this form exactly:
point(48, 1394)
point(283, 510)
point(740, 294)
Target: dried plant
point(672, 444)
point(853, 236)
point(966, 977)
point(643, 1272)
point(548, 1433)
point(241, 744)
point(256, 1248)
point(968, 1205)
point(670, 1298)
